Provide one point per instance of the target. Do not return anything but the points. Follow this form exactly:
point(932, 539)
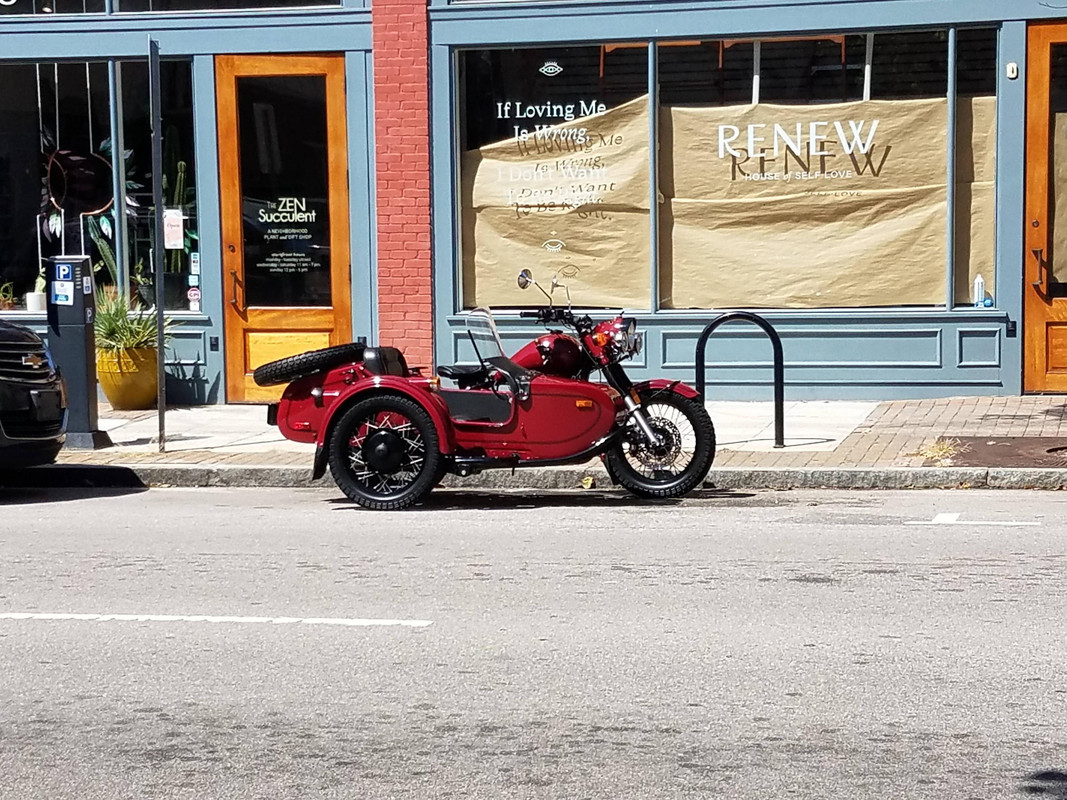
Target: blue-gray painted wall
point(861, 353)
point(854, 353)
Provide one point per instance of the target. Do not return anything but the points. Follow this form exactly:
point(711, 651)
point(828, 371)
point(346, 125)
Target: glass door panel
point(284, 189)
point(284, 200)
point(1055, 271)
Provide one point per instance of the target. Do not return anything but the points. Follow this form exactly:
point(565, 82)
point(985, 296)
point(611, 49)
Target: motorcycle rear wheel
point(680, 464)
point(384, 453)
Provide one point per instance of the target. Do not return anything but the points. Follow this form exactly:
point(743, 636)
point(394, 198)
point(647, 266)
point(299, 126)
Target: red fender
point(659, 384)
point(377, 385)
point(388, 384)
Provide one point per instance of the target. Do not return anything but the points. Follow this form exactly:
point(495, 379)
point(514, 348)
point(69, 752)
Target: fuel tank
point(555, 353)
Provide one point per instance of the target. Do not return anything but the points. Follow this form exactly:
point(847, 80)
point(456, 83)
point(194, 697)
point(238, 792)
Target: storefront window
point(826, 69)
point(976, 147)
point(59, 7)
point(715, 72)
point(55, 172)
point(197, 5)
point(815, 197)
point(794, 172)
point(57, 182)
point(908, 65)
point(181, 266)
point(23, 7)
point(555, 173)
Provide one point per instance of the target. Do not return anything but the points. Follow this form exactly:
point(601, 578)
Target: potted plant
point(126, 354)
point(7, 295)
point(35, 300)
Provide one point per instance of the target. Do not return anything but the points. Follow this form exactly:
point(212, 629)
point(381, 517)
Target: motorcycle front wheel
point(682, 459)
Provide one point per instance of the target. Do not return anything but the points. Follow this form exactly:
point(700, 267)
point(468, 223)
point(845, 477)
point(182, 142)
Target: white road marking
point(954, 519)
point(352, 623)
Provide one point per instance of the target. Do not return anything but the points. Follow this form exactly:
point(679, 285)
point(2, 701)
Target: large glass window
point(831, 190)
point(196, 5)
point(823, 69)
point(54, 7)
point(976, 148)
point(555, 173)
point(180, 265)
point(907, 65)
point(716, 72)
point(55, 170)
point(57, 157)
point(20, 7)
point(794, 172)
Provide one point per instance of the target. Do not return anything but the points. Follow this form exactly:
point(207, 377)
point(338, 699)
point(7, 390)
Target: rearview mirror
point(526, 279)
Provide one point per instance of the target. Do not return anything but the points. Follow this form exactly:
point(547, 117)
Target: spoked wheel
point(679, 462)
point(384, 453)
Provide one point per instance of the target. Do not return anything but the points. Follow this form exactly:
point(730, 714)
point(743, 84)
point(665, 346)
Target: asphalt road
point(807, 644)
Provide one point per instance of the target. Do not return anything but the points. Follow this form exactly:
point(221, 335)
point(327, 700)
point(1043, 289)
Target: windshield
point(483, 333)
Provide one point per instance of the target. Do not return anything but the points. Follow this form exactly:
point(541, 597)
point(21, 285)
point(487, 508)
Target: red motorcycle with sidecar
point(389, 434)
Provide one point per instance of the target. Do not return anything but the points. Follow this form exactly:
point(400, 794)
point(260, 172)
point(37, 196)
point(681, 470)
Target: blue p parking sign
point(64, 272)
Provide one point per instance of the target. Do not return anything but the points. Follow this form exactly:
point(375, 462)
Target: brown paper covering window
point(861, 222)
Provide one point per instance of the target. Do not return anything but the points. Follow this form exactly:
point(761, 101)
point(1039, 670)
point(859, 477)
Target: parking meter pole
point(71, 308)
point(155, 103)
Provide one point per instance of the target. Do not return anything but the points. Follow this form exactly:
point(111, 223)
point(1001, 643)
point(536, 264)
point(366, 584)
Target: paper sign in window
point(173, 229)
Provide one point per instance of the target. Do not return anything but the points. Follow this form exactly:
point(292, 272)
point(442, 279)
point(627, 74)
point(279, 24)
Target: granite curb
point(554, 478)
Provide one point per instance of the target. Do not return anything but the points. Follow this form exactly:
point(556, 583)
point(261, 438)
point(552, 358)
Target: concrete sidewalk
point(949, 443)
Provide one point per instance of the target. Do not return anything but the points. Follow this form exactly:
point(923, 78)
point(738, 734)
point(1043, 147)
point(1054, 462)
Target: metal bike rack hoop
point(779, 364)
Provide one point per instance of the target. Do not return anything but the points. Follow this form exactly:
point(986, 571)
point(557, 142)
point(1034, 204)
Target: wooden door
point(284, 199)
point(1045, 256)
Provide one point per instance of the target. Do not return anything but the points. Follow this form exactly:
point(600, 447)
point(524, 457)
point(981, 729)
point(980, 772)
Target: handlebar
point(563, 316)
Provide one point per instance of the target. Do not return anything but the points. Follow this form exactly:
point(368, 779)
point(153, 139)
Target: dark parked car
point(33, 401)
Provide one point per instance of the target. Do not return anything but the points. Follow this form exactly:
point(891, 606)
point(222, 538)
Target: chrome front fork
point(642, 422)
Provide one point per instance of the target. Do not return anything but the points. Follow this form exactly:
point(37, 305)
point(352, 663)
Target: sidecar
point(389, 434)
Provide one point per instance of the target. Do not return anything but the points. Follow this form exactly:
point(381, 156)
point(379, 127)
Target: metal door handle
point(233, 299)
point(1039, 284)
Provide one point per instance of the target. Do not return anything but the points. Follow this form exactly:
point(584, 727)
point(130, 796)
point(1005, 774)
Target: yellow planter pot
point(128, 377)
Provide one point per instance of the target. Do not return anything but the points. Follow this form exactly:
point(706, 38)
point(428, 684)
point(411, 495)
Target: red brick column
point(402, 134)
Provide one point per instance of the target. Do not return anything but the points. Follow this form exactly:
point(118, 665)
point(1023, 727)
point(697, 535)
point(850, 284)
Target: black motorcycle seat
point(461, 370)
point(466, 376)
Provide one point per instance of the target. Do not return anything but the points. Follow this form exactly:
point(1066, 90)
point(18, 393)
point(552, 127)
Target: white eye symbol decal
point(553, 245)
point(550, 68)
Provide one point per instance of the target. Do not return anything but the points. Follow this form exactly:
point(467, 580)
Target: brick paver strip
point(890, 435)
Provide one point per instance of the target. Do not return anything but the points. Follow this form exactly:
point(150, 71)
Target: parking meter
point(71, 297)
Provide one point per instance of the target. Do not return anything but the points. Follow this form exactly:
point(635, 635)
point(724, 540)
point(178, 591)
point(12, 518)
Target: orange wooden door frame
point(254, 335)
point(1044, 316)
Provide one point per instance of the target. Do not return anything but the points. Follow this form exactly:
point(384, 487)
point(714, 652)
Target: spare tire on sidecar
point(287, 370)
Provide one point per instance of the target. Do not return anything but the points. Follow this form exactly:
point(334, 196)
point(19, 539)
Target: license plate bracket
point(46, 405)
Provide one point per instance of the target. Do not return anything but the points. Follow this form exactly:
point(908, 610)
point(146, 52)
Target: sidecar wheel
point(677, 467)
point(384, 453)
